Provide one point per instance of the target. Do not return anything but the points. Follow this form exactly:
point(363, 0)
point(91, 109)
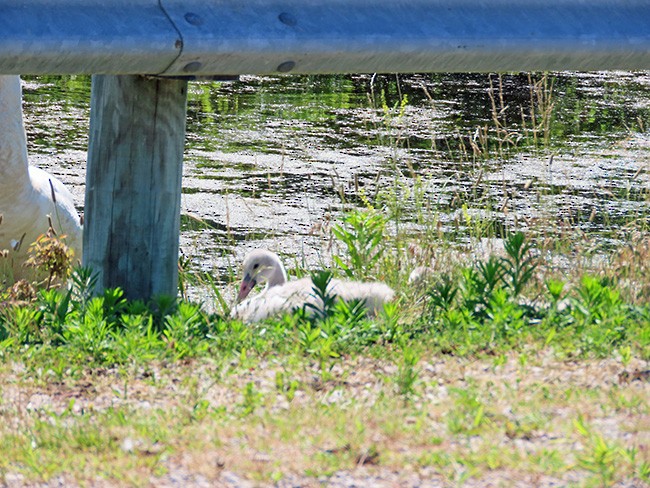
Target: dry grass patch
point(513, 420)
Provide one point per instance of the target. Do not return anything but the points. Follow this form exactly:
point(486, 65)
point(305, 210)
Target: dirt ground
point(513, 421)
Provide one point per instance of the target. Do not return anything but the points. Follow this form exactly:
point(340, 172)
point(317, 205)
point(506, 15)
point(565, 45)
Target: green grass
point(490, 353)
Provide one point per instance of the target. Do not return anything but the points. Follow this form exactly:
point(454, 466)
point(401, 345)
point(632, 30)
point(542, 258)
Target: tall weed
point(362, 234)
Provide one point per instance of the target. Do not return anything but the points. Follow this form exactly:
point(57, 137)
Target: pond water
point(273, 161)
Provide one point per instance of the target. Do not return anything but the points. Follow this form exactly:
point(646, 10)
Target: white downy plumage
point(29, 196)
point(281, 295)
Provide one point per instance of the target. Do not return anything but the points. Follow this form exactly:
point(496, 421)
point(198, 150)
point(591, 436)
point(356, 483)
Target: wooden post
point(133, 183)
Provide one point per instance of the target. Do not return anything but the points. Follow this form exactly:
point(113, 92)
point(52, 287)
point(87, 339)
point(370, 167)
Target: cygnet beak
point(247, 284)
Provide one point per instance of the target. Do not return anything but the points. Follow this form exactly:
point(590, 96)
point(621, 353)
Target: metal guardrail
point(230, 37)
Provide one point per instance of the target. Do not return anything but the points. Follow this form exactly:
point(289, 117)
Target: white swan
point(28, 195)
point(281, 295)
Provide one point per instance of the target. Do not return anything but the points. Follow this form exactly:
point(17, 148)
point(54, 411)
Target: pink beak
point(245, 288)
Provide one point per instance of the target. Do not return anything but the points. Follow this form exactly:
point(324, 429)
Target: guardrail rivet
point(286, 66)
point(192, 67)
point(288, 19)
point(193, 18)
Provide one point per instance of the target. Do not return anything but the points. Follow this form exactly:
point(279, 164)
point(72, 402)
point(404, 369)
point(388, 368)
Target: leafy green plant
point(519, 265)
point(362, 233)
point(443, 293)
point(599, 314)
point(325, 300)
point(184, 330)
point(505, 317)
point(350, 313)
point(596, 299)
point(22, 325)
point(57, 309)
point(136, 342)
point(490, 275)
point(390, 328)
point(89, 333)
point(83, 284)
point(328, 325)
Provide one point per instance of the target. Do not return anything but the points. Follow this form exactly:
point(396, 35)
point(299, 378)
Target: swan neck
point(13, 142)
point(278, 277)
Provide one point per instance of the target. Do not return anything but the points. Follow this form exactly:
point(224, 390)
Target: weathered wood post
point(133, 183)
